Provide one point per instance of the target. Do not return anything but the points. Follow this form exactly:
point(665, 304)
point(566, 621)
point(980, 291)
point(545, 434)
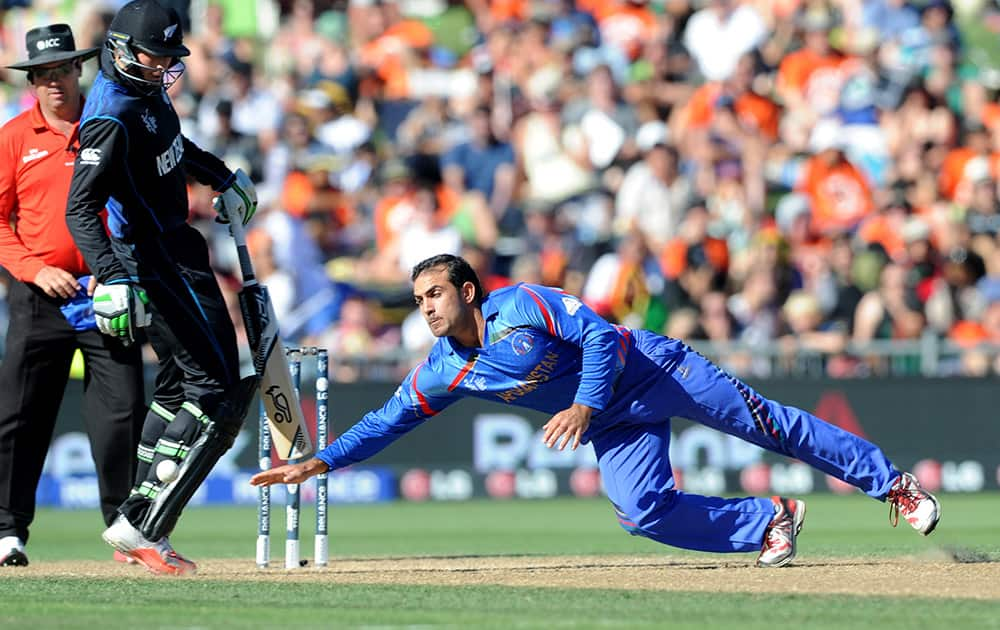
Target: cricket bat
point(281, 405)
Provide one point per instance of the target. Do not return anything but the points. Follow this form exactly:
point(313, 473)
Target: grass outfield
point(843, 537)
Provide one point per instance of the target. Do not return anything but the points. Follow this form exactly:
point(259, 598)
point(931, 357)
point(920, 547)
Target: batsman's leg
point(182, 464)
point(157, 419)
point(183, 456)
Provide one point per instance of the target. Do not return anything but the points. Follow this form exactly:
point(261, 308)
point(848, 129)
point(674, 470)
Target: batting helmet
point(146, 26)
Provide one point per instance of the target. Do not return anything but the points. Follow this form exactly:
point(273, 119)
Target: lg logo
point(48, 43)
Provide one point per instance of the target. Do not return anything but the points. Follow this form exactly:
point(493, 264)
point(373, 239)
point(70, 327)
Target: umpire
point(50, 315)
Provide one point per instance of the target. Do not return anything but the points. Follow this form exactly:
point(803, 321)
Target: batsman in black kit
point(154, 274)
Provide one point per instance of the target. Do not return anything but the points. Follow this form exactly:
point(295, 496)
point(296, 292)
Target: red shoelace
point(902, 499)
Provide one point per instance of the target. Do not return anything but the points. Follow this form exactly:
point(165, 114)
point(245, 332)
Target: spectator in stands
point(753, 307)
point(838, 192)
point(809, 80)
point(719, 34)
point(483, 164)
point(552, 172)
point(653, 195)
point(892, 311)
point(231, 145)
point(606, 124)
point(804, 321)
point(255, 111)
point(955, 297)
point(295, 149)
point(329, 107)
point(623, 283)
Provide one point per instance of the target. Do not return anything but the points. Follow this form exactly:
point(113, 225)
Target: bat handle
point(238, 232)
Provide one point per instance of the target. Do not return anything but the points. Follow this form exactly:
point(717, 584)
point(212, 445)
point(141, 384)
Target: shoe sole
point(14, 559)
point(150, 558)
point(123, 558)
point(154, 563)
point(799, 519)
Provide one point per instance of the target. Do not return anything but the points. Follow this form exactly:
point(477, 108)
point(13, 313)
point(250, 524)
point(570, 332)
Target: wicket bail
point(321, 549)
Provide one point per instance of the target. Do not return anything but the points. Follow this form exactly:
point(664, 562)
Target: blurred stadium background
point(805, 191)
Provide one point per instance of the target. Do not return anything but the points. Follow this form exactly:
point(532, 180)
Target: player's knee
point(630, 519)
point(646, 516)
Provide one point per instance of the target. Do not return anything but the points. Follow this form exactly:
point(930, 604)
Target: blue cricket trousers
point(636, 471)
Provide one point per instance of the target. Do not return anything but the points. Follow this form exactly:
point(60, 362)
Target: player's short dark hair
point(459, 272)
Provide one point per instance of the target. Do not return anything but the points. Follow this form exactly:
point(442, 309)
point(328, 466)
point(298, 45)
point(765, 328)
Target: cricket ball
point(166, 471)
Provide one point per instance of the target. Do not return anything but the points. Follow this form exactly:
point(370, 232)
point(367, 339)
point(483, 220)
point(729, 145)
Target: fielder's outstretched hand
point(290, 473)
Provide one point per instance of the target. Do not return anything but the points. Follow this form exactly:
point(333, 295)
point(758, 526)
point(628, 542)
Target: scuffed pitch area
point(945, 574)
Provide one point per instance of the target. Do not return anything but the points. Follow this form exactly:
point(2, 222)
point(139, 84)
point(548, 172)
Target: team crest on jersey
point(572, 305)
point(150, 121)
point(522, 343)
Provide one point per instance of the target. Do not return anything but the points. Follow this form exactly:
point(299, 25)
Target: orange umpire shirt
point(36, 166)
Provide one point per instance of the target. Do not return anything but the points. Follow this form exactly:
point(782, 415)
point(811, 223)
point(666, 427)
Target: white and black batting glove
point(120, 309)
point(239, 199)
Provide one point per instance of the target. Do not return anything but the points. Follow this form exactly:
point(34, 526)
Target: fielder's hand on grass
point(290, 473)
point(119, 309)
point(569, 424)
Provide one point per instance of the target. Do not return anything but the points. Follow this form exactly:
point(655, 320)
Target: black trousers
point(33, 377)
point(195, 343)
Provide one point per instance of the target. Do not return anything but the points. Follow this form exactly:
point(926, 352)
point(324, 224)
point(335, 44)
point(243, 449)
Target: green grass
point(836, 526)
point(186, 604)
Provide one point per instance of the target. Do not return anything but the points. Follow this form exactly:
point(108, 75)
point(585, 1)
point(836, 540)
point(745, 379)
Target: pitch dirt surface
point(944, 574)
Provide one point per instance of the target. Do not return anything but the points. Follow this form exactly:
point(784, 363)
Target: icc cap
point(49, 44)
point(153, 29)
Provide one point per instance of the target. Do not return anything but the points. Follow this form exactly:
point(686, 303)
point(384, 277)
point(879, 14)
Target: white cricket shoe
point(920, 508)
point(779, 539)
point(159, 557)
point(12, 552)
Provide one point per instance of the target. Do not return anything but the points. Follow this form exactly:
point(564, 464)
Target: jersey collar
point(39, 124)
point(489, 308)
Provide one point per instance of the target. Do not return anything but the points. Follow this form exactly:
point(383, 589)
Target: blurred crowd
point(768, 175)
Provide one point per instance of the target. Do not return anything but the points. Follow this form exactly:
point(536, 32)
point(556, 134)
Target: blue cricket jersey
point(544, 350)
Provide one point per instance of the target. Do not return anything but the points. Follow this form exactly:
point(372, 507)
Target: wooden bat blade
point(284, 413)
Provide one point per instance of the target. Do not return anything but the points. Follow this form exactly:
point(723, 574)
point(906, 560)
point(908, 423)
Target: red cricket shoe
point(159, 557)
point(920, 508)
point(779, 539)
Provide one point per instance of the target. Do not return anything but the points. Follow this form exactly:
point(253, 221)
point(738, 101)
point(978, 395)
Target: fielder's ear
point(468, 292)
